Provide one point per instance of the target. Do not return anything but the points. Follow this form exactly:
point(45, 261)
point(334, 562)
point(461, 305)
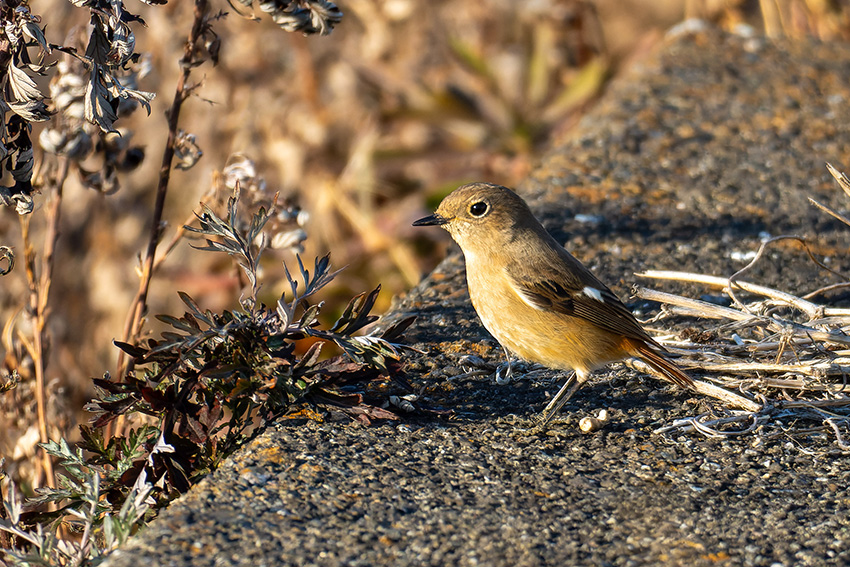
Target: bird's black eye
point(478, 209)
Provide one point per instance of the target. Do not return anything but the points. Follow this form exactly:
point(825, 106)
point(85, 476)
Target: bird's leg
point(507, 367)
point(570, 387)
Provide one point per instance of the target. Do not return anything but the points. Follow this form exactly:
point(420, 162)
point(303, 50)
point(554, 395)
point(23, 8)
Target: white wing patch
point(593, 293)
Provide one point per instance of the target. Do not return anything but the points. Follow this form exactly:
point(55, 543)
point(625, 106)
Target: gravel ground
point(694, 156)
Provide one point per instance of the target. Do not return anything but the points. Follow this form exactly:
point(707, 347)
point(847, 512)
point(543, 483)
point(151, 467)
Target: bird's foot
point(504, 372)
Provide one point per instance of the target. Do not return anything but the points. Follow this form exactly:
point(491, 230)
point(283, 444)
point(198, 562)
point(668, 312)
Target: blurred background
point(363, 131)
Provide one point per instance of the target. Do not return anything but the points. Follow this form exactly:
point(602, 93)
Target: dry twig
point(183, 89)
point(785, 354)
point(39, 284)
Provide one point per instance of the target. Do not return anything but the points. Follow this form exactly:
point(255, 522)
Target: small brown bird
point(535, 298)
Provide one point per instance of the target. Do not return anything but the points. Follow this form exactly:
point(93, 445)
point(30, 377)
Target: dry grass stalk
point(182, 91)
point(39, 285)
point(788, 354)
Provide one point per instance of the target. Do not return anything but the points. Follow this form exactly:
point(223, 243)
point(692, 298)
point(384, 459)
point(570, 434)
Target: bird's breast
point(547, 337)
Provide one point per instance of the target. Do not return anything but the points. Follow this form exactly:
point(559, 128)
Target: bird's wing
point(576, 293)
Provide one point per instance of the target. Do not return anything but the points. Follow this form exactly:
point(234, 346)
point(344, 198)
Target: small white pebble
point(588, 219)
point(744, 30)
point(591, 424)
point(404, 402)
point(690, 26)
point(753, 45)
point(739, 256)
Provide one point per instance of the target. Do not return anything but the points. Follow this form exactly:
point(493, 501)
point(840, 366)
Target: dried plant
point(22, 102)
point(90, 89)
point(207, 379)
point(285, 227)
point(7, 260)
point(307, 16)
point(202, 386)
point(202, 45)
point(100, 525)
point(98, 149)
point(787, 356)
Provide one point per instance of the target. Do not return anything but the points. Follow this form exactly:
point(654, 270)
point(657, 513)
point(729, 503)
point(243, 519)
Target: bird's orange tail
point(658, 362)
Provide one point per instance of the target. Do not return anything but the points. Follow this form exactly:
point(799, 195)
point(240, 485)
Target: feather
point(569, 298)
point(660, 364)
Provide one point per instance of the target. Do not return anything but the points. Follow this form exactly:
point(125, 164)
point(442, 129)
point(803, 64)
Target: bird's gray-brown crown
point(479, 204)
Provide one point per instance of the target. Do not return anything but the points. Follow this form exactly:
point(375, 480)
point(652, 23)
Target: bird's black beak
point(433, 220)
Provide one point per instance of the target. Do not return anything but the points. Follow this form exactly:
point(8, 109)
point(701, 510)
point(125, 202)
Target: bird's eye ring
point(478, 209)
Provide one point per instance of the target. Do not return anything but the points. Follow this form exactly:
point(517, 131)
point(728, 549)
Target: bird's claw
point(507, 369)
